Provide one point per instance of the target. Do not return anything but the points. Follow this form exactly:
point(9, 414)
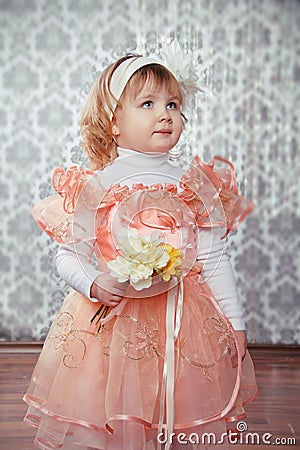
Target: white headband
point(172, 58)
point(124, 72)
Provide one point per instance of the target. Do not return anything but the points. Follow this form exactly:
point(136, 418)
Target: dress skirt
point(102, 389)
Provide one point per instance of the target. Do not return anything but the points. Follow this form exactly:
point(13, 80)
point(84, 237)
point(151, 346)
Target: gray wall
point(248, 58)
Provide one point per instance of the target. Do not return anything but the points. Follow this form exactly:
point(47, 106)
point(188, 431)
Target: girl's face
point(149, 123)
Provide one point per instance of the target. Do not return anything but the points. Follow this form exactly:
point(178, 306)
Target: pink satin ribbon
point(173, 324)
point(36, 403)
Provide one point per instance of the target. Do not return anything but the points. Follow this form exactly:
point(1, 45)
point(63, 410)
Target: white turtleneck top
point(74, 263)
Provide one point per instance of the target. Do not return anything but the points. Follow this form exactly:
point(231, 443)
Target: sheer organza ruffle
point(208, 190)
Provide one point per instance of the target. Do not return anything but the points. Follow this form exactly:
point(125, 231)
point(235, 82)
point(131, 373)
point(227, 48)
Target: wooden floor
point(276, 410)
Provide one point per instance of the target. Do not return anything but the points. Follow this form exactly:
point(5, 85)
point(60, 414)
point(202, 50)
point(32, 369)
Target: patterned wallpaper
point(247, 53)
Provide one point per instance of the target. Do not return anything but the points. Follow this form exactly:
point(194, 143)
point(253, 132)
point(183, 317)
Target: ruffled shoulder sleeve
point(211, 192)
point(68, 216)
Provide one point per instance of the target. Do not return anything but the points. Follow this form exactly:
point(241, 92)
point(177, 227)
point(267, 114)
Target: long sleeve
point(218, 274)
point(73, 262)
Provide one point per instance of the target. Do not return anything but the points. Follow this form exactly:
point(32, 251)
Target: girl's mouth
point(163, 131)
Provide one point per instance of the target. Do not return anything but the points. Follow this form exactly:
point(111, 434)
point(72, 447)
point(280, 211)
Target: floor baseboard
point(36, 346)
point(21, 346)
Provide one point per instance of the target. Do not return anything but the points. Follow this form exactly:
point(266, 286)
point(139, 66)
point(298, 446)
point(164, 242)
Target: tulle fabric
point(82, 204)
point(88, 385)
point(102, 389)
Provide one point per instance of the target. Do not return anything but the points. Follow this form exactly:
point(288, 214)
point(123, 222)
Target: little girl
point(148, 350)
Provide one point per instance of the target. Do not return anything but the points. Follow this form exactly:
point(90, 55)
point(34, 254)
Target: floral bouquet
point(140, 259)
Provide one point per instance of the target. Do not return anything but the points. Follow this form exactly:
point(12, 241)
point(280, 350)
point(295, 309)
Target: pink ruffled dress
point(162, 361)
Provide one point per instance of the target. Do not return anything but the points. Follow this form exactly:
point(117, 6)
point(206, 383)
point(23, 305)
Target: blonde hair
point(95, 124)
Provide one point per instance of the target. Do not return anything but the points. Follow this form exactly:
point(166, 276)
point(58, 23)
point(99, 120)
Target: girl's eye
point(172, 105)
point(147, 104)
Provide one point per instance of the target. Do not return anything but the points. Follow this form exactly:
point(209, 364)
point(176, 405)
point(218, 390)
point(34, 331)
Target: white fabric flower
point(182, 68)
point(140, 257)
point(120, 268)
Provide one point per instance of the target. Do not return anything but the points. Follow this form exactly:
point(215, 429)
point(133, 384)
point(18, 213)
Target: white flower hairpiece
point(182, 68)
point(172, 58)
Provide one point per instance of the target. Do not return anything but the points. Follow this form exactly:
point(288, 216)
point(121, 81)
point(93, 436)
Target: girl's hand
point(108, 290)
point(242, 344)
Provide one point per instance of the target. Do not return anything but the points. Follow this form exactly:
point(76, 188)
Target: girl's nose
point(165, 116)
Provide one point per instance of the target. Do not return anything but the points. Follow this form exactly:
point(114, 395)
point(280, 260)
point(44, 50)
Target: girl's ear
point(115, 129)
